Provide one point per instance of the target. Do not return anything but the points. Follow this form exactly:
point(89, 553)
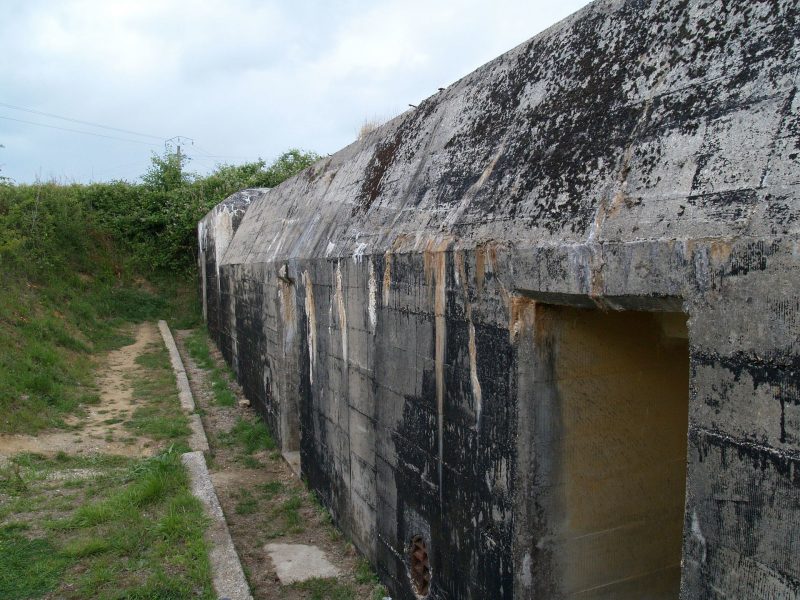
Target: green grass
point(220, 378)
point(364, 572)
point(223, 396)
point(29, 567)
point(251, 462)
point(327, 589)
point(72, 259)
point(246, 503)
point(138, 534)
point(51, 336)
point(250, 436)
point(158, 414)
point(288, 513)
point(197, 345)
point(271, 489)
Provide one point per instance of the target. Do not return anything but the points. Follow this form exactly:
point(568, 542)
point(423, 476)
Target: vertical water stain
point(461, 279)
point(387, 278)
point(372, 293)
point(340, 309)
point(311, 333)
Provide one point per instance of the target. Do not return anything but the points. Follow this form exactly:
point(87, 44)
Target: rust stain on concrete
point(387, 277)
point(522, 311)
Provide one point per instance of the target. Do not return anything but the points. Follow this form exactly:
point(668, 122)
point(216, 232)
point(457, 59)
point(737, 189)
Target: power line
point(110, 137)
point(90, 123)
point(202, 151)
point(205, 152)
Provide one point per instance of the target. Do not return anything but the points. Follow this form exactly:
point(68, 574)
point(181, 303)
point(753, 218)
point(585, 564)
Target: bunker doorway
point(621, 383)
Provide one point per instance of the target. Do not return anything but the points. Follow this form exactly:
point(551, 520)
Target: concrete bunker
point(406, 295)
point(619, 384)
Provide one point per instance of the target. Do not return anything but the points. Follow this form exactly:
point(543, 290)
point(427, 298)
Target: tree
point(3, 179)
point(287, 165)
point(167, 172)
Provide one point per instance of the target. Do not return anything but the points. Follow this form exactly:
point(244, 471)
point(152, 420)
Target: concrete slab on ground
point(299, 562)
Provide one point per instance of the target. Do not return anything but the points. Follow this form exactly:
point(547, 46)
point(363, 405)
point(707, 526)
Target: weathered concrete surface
point(181, 380)
point(387, 309)
point(197, 437)
point(300, 562)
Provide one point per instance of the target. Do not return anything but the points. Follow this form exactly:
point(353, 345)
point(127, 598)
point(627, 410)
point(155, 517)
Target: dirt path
point(265, 502)
point(101, 429)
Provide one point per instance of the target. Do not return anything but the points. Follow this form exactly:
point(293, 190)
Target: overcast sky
point(244, 78)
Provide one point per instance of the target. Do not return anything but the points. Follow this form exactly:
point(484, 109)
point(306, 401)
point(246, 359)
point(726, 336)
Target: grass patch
point(29, 568)
point(223, 396)
point(220, 378)
point(271, 489)
point(138, 534)
point(327, 589)
point(51, 336)
point(250, 436)
point(197, 345)
point(158, 415)
point(364, 572)
point(251, 462)
point(289, 511)
point(246, 504)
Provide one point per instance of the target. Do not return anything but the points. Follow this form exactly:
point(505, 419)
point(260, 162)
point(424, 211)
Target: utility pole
point(177, 141)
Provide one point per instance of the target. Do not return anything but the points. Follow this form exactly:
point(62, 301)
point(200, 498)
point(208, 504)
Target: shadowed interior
point(621, 379)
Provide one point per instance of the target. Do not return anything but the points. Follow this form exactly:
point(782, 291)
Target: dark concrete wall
point(641, 155)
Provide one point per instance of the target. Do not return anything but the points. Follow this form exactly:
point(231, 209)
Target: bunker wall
point(385, 306)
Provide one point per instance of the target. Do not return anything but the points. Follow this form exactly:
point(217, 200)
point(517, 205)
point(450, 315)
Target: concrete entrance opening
point(621, 385)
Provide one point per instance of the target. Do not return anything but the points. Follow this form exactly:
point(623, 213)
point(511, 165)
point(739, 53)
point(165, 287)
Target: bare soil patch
point(101, 429)
point(103, 510)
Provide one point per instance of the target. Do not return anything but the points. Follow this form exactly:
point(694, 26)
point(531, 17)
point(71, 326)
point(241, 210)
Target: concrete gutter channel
point(226, 569)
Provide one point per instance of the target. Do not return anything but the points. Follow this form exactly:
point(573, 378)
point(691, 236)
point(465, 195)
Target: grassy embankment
point(79, 266)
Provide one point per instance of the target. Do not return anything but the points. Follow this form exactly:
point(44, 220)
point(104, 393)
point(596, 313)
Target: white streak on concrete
point(440, 298)
point(311, 315)
point(387, 278)
point(341, 310)
point(473, 371)
point(698, 533)
point(372, 291)
point(358, 253)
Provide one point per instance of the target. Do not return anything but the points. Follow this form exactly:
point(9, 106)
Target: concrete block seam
point(226, 568)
